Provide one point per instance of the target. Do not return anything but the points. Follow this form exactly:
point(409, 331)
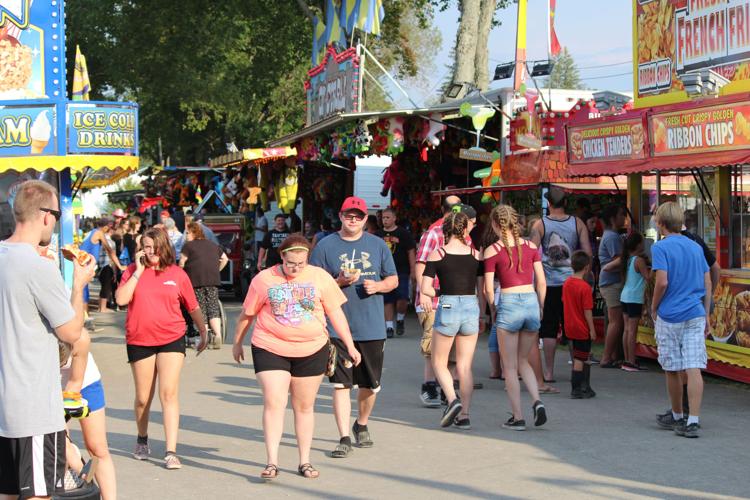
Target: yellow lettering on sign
point(14, 131)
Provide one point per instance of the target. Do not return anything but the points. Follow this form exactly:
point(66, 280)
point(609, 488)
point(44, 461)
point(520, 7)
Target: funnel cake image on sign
point(15, 61)
point(41, 130)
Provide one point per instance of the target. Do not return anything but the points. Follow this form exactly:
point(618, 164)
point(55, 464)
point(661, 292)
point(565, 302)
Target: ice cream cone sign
point(41, 130)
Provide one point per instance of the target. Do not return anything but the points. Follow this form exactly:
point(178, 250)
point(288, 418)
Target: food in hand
point(73, 253)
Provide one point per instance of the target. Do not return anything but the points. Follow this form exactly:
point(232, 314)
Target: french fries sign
point(717, 128)
point(674, 37)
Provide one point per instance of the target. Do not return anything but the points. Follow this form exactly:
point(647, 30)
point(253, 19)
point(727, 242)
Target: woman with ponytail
point(516, 263)
point(458, 267)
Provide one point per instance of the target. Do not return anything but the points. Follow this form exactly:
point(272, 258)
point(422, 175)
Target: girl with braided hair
point(458, 267)
point(518, 267)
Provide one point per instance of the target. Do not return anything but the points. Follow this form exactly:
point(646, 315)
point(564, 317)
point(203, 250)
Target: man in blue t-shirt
point(364, 269)
point(680, 306)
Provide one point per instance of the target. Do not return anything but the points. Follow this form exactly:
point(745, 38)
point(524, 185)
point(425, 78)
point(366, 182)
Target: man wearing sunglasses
point(364, 269)
point(37, 311)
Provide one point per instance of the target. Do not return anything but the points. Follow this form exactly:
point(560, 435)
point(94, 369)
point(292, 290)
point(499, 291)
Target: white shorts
point(681, 345)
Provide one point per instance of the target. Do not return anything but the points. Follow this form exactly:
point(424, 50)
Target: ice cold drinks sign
point(102, 129)
point(717, 128)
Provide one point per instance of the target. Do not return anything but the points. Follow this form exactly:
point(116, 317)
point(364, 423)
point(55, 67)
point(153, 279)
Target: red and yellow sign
point(702, 130)
point(622, 140)
point(673, 37)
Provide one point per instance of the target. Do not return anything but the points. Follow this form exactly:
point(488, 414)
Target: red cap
point(354, 203)
point(165, 214)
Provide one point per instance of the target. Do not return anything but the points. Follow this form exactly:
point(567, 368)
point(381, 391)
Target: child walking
point(578, 303)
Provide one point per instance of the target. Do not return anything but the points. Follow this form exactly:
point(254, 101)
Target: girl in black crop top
point(459, 270)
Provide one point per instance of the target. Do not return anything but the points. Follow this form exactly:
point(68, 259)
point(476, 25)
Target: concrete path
point(605, 447)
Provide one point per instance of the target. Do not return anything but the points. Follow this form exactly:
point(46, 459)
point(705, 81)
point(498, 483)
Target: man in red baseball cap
point(364, 269)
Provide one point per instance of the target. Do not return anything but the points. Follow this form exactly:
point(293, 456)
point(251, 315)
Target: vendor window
point(741, 217)
point(9, 182)
point(696, 194)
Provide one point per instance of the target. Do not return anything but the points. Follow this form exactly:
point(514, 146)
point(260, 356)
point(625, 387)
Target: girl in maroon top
point(517, 264)
point(154, 288)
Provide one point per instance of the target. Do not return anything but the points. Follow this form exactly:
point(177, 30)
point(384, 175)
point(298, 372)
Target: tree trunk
point(481, 62)
point(306, 9)
point(466, 45)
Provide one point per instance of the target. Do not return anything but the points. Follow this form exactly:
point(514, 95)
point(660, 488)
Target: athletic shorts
point(32, 466)
point(681, 346)
point(581, 349)
point(552, 320)
point(401, 292)
point(208, 299)
point(518, 312)
point(139, 352)
point(306, 366)
point(611, 294)
point(107, 281)
point(94, 394)
point(632, 310)
point(457, 314)
point(364, 376)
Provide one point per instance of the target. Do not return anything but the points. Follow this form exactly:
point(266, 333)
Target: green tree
point(564, 72)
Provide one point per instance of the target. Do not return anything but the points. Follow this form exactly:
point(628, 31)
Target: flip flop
point(308, 471)
point(549, 390)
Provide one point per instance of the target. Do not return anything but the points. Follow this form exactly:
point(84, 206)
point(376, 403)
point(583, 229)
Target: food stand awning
point(253, 155)
point(712, 132)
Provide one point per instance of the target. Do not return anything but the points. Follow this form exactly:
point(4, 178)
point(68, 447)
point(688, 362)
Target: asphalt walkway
point(607, 447)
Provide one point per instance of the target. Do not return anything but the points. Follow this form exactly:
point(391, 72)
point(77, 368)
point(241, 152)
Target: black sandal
point(306, 469)
point(270, 472)
point(342, 450)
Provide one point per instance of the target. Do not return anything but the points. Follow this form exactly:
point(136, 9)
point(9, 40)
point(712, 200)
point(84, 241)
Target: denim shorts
point(457, 314)
point(518, 311)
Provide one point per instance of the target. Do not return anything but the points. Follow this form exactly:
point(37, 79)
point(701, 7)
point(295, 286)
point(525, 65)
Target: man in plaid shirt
point(430, 241)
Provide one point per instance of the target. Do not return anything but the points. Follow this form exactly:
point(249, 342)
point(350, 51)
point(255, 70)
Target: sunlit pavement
point(608, 447)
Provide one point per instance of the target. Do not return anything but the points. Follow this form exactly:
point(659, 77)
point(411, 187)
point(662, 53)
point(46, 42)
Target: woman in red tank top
point(517, 317)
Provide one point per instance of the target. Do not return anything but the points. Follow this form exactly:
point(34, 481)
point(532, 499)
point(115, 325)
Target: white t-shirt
point(91, 375)
point(261, 223)
point(33, 301)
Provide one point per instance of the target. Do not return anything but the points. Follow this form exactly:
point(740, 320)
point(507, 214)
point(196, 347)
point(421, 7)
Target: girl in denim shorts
point(458, 267)
point(517, 265)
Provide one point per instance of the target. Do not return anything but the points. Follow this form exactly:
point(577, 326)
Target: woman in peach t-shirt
point(289, 304)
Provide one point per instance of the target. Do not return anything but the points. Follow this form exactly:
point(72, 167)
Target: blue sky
point(596, 33)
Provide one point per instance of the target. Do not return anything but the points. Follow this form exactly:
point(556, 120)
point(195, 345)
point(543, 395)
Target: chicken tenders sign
point(716, 128)
point(622, 140)
point(673, 37)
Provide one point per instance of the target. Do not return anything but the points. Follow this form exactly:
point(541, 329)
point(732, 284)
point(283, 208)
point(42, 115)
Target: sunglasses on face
point(56, 213)
point(354, 217)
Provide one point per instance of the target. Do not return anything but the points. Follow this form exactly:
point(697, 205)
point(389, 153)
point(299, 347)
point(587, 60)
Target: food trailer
point(43, 135)
point(695, 150)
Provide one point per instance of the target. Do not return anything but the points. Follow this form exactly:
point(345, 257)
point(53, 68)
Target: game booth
point(70, 144)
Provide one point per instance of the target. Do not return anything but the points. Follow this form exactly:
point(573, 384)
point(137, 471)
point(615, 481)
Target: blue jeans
point(492, 344)
point(457, 314)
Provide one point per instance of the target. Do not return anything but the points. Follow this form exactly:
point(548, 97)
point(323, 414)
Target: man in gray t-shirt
point(35, 311)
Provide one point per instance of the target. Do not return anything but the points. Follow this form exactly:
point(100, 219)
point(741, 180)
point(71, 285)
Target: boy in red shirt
point(578, 303)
